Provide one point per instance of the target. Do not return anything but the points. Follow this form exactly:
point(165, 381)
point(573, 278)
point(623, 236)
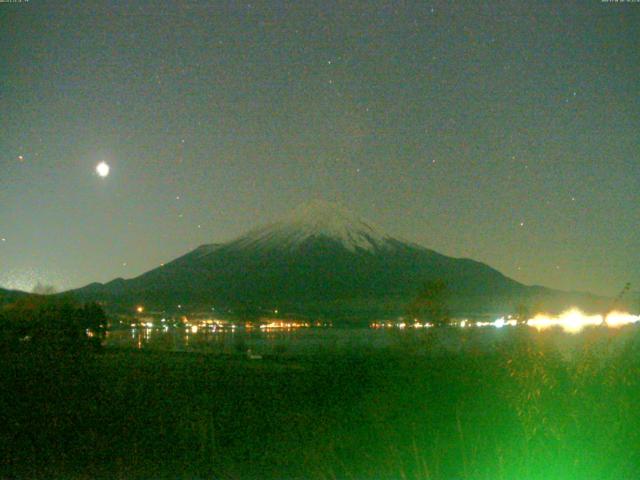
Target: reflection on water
point(255, 342)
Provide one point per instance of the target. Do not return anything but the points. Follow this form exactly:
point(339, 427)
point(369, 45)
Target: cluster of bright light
point(422, 325)
point(279, 324)
point(499, 323)
point(618, 319)
point(400, 325)
point(207, 324)
point(571, 321)
point(574, 320)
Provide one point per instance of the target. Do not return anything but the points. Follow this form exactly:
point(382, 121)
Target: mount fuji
point(320, 261)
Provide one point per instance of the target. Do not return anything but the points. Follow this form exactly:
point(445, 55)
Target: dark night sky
point(502, 131)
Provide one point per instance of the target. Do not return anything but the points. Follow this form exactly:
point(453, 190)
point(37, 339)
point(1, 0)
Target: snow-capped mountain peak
point(317, 219)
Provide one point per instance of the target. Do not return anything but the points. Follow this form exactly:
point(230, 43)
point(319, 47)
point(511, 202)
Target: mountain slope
point(10, 296)
point(321, 260)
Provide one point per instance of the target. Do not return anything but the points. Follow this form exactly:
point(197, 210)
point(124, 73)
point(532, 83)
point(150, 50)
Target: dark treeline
point(40, 322)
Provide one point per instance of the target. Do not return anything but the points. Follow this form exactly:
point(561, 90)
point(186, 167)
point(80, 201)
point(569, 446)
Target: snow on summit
point(316, 219)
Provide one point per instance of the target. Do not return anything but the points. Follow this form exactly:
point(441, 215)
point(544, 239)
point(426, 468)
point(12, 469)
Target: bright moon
point(102, 169)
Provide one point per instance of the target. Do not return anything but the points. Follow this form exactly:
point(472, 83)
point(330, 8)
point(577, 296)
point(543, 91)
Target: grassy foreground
point(522, 411)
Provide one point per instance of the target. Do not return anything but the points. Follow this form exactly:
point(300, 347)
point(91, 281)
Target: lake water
point(310, 341)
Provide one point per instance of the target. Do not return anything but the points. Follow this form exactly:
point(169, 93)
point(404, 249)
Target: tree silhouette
point(431, 304)
point(52, 323)
point(41, 289)
point(522, 314)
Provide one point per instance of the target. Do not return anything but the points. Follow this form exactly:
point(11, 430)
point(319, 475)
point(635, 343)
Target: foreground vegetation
point(522, 411)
